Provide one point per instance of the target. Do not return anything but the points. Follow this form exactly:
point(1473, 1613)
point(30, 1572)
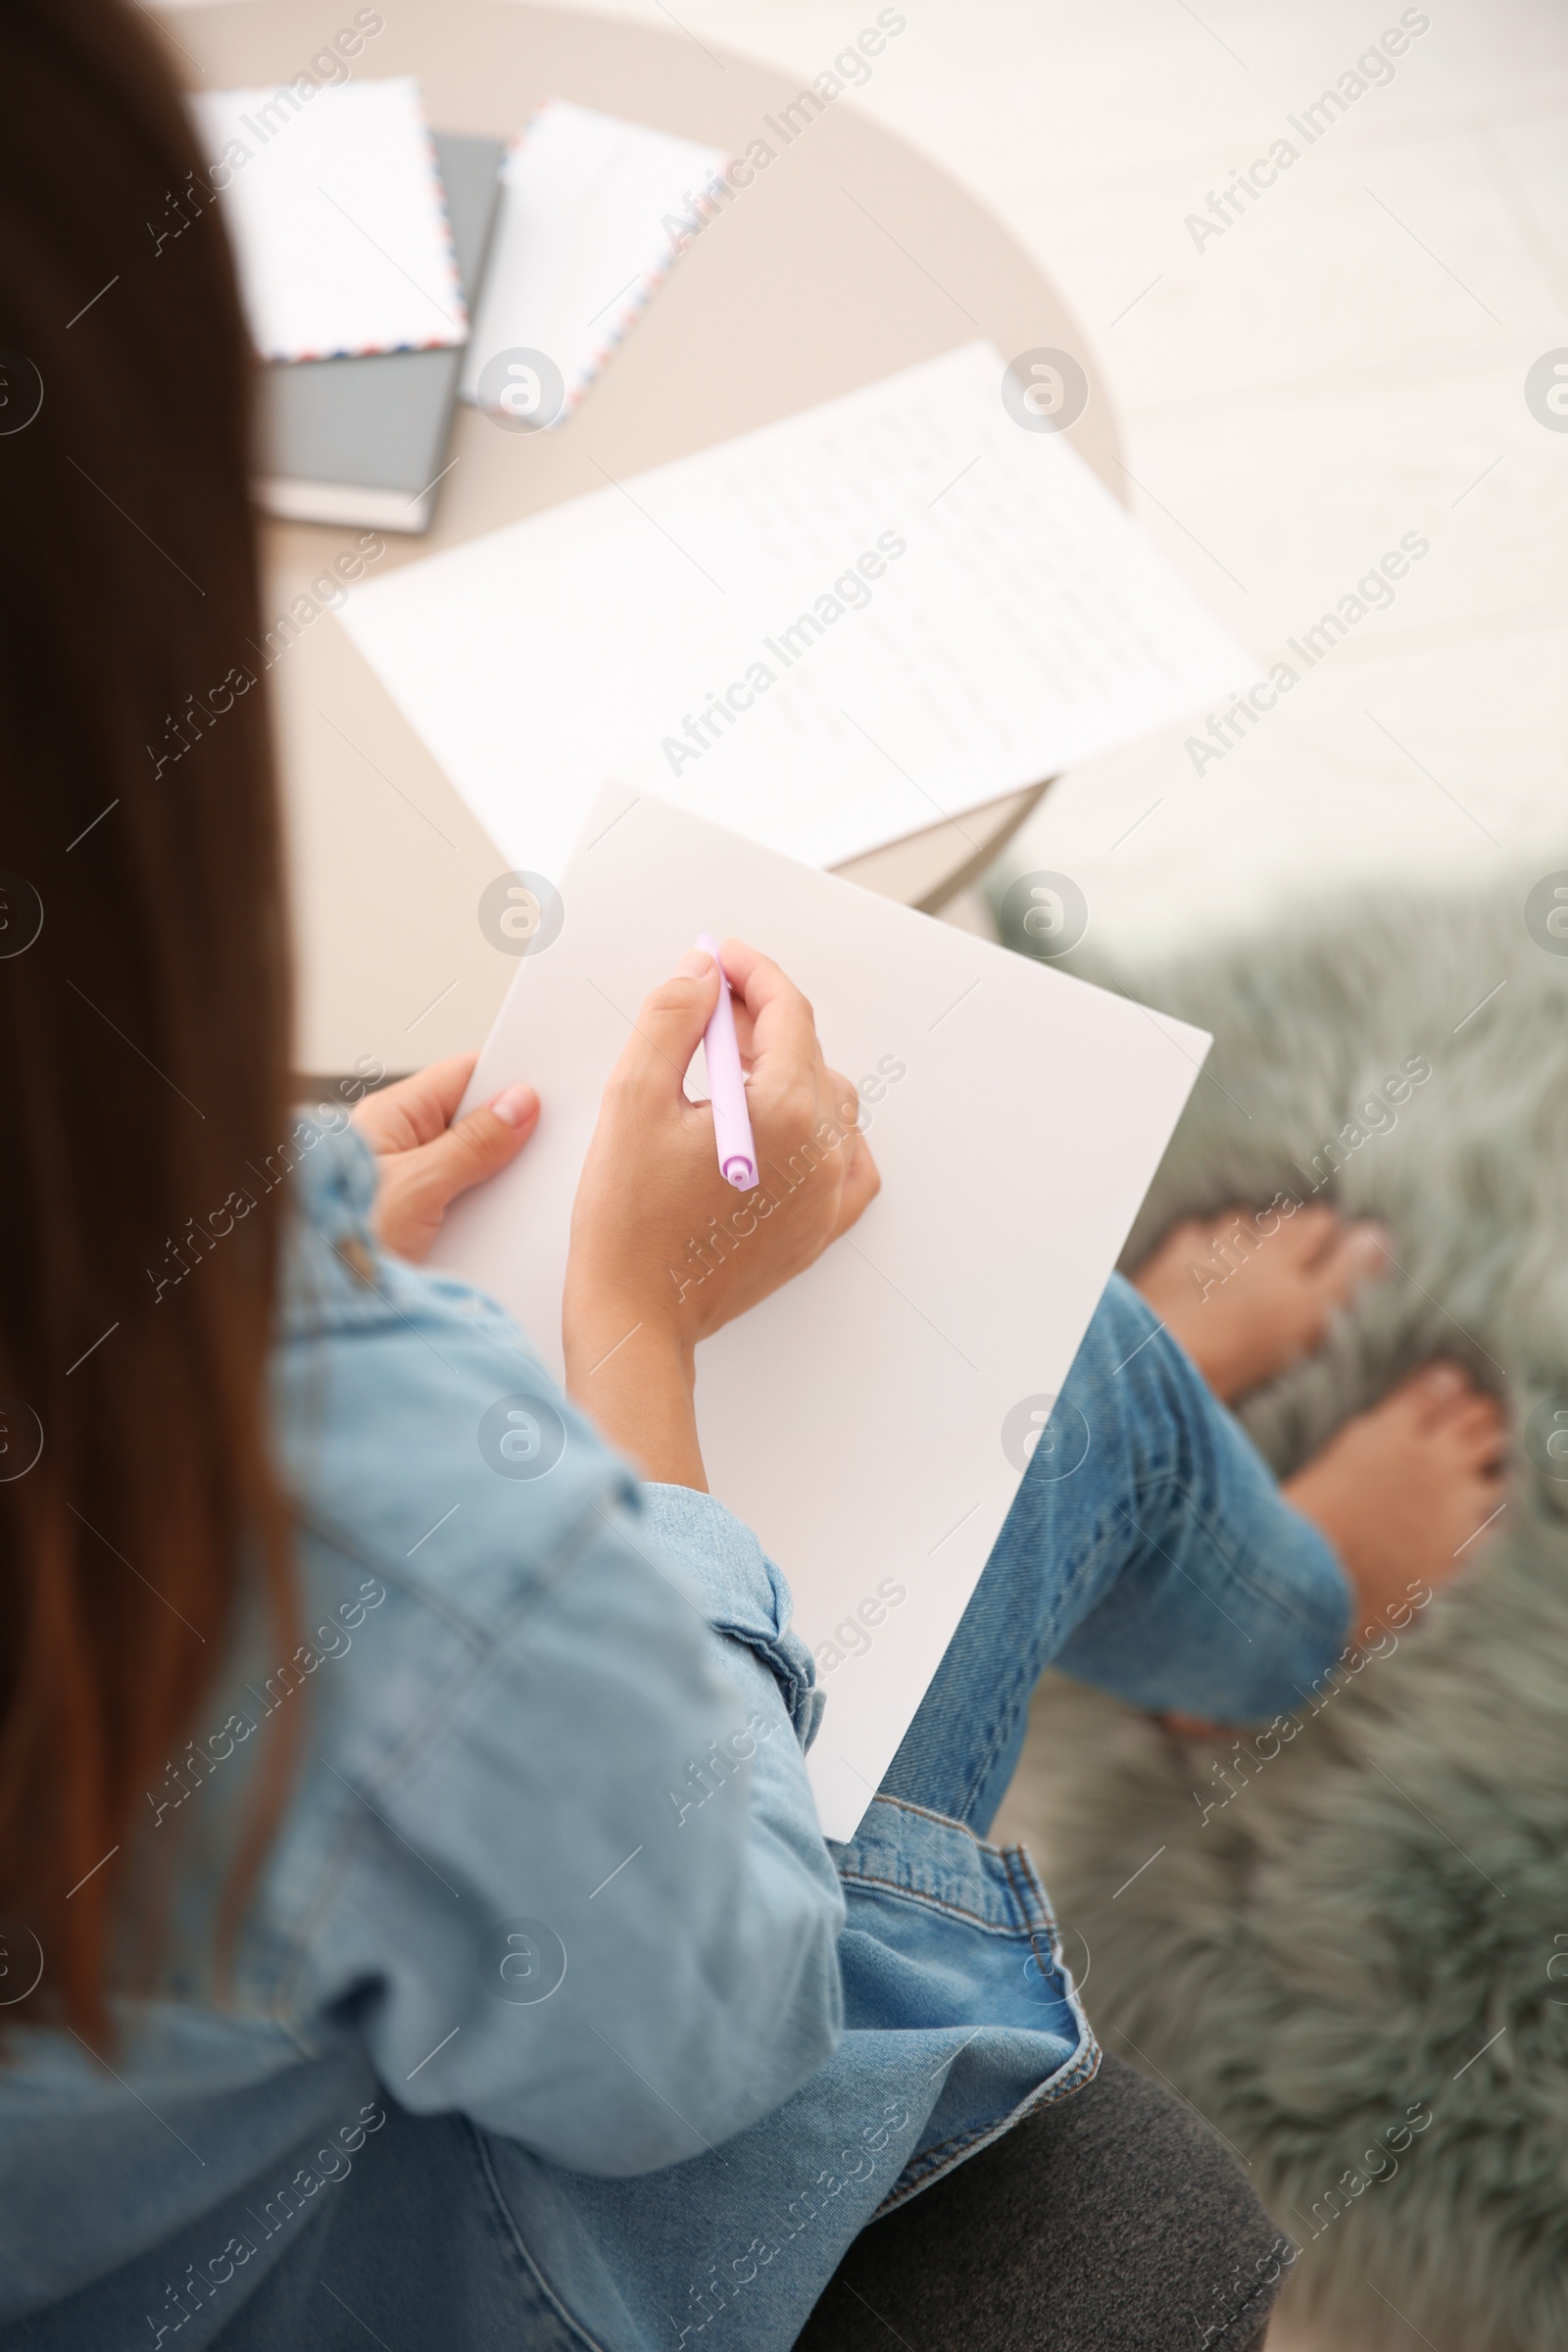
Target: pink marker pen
point(732, 1123)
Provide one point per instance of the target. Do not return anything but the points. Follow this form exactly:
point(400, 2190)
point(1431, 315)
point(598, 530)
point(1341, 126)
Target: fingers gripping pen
point(732, 1124)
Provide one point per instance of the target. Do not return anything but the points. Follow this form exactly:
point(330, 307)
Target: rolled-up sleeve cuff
point(743, 1592)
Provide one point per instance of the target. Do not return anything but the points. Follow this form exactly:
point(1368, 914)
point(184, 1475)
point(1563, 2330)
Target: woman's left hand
point(424, 1161)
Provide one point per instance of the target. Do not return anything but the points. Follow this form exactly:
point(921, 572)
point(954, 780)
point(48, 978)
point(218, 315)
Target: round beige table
point(850, 257)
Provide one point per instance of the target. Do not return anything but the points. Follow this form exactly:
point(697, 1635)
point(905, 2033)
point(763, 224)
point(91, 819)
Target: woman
point(416, 1921)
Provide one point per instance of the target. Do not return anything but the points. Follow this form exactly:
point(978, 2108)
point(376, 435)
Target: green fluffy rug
point(1357, 1966)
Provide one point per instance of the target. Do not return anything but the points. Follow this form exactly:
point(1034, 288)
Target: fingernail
point(1370, 1242)
point(1443, 1380)
point(516, 1105)
point(695, 962)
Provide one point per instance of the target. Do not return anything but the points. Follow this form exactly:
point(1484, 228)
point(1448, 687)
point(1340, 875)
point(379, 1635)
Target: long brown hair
point(144, 991)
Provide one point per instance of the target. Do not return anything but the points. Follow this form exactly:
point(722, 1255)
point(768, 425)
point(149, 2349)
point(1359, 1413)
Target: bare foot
point(1403, 1492)
point(1247, 1292)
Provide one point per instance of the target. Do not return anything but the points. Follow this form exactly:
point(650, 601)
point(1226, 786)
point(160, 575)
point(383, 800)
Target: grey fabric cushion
point(1112, 2221)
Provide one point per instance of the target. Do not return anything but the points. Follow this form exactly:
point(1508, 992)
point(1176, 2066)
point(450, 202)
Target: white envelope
point(593, 211)
point(337, 215)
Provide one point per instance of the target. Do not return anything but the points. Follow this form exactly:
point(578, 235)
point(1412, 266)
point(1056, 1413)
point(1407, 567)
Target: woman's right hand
point(664, 1249)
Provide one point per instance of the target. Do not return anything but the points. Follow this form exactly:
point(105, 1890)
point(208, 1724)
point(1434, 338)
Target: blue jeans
point(1147, 1551)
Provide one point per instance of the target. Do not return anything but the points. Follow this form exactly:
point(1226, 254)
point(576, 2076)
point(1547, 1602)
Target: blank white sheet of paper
point(583, 239)
point(731, 631)
point(337, 212)
point(868, 1421)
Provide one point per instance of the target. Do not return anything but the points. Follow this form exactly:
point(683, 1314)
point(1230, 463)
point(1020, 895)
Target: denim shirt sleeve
point(742, 1592)
point(564, 1864)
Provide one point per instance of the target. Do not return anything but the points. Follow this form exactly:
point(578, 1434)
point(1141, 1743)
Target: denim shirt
point(548, 1860)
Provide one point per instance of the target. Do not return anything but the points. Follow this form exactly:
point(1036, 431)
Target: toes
point(1462, 1430)
point(1314, 1242)
point(1309, 1234)
point(1464, 1412)
point(1433, 1393)
point(1478, 1430)
point(1417, 1400)
point(1358, 1254)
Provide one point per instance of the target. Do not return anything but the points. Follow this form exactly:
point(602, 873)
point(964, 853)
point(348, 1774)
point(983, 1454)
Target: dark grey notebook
point(365, 441)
